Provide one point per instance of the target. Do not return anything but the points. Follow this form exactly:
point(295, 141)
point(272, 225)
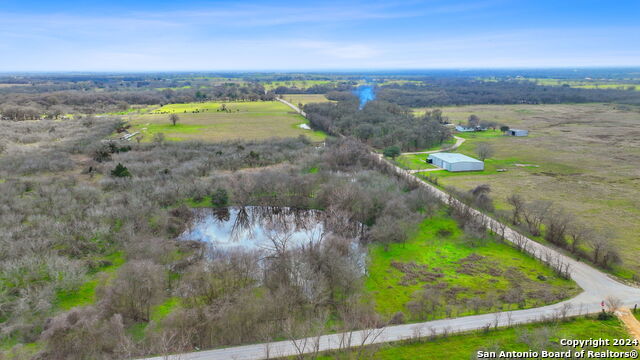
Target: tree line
point(54, 104)
point(451, 91)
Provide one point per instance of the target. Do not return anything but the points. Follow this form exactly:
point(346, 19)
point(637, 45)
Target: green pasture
point(518, 338)
point(210, 121)
point(443, 260)
point(414, 162)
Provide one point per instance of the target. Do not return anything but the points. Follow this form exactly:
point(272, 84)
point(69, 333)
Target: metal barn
point(518, 132)
point(455, 162)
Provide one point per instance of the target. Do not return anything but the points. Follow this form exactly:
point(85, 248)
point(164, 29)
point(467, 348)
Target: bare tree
point(305, 336)
point(534, 215)
point(138, 286)
point(580, 234)
point(556, 225)
point(174, 118)
point(521, 241)
point(484, 150)
point(613, 303)
point(604, 253)
point(518, 204)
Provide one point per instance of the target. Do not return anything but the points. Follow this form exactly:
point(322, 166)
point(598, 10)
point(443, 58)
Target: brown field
point(588, 159)
point(305, 99)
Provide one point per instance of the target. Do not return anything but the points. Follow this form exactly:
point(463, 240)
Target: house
point(517, 132)
point(462, 128)
point(455, 162)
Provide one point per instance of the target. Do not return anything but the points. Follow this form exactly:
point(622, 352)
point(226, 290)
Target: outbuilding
point(518, 132)
point(462, 128)
point(455, 162)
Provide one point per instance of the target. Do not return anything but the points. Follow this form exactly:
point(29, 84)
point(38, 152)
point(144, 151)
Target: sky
point(189, 35)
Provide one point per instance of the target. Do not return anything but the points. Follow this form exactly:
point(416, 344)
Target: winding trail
point(596, 285)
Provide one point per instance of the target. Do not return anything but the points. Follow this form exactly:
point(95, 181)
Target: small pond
point(264, 228)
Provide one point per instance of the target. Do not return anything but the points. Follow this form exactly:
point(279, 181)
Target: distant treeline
point(53, 104)
point(441, 92)
point(318, 88)
point(380, 124)
point(29, 97)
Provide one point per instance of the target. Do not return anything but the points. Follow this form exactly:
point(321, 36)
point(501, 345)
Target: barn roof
point(453, 157)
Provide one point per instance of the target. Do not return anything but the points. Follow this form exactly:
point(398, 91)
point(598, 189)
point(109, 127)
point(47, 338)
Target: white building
point(463, 128)
point(518, 132)
point(455, 162)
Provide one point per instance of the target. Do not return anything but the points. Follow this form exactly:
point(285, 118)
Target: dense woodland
point(380, 124)
point(440, 92)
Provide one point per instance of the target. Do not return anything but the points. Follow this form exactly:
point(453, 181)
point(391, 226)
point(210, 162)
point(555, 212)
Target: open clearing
point(305, 99)
point(520, 338)
point(206, 121)
point(589, 84)
point(461, 276)
point(586, 157)
point(300, 84)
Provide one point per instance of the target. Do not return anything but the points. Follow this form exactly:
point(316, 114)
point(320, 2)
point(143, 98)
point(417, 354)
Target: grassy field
point(300, 84)
point(86, 293)
point(401, 82)
point(206, 121)
point(588, 84)
point(414, 162)
point(439, 259)
point(573, 153)
point(305, 99)
point(535, 337)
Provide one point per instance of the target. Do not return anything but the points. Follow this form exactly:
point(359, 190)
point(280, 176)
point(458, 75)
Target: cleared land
point(520, 338)
point(300, 84)
point(459, 275)
point(585, 158)
point(305, 99)
point(589, 84)
point(208, 121)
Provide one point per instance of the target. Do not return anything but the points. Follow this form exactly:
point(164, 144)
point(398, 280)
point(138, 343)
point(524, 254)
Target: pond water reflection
point(263, 228)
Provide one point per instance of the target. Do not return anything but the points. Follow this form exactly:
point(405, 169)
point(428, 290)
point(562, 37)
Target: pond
point(263, 228)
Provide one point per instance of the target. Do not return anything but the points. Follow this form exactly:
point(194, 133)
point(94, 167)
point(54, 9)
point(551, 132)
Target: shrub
point(397, 319)
point(220, 197)
point(603, 315)
point(120, 171)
